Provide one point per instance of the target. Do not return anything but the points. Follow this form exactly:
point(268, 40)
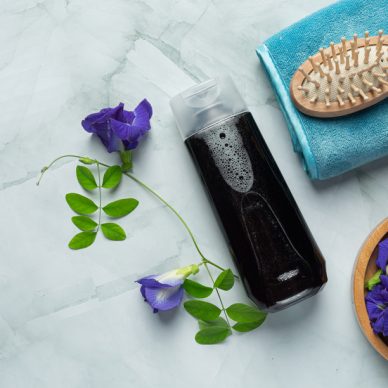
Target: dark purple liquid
point(275, 253)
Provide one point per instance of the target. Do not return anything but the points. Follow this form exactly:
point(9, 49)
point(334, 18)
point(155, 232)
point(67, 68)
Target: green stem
point(44, 169)
point(218, 294)
point(99, 193)
point(161, 199)
point(172, 209)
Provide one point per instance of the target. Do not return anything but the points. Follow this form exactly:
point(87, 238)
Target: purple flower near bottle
point(119, 129)
point(165, 292)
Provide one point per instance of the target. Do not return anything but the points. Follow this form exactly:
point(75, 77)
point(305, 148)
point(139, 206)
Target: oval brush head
point(344, 78)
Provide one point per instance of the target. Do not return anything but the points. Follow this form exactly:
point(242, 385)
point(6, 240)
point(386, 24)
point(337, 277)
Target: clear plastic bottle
point(274, 251)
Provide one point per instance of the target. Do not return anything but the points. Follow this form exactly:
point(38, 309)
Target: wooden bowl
point(364, 268)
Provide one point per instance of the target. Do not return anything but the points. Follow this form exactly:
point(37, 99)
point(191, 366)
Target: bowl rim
point(359, 273)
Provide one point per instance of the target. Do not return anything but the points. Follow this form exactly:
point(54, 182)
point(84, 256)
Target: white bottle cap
point(205, 104)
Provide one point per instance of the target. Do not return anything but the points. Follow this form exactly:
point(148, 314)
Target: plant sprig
point(213, 328)
point(86, 207)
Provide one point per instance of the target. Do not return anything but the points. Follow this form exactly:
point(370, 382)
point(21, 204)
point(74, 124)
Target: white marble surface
point(76, 319)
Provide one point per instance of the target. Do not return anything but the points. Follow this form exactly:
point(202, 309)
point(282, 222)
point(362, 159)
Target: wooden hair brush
point(344, 78)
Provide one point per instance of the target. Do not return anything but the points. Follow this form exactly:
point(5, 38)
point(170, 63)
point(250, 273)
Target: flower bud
point(87, 160)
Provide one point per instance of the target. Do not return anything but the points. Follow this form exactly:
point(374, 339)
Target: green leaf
point(120, 208)
point(225, 280)
point(81, 204)
point(113, 231)
point(219, 322)
point(112, 177)
point(85, 178)
point(87, 160)
point(247, 326)
point(374, 280)
point(82, 240)
point(196, 289)
point(202, 310)
point(212, 335)
point(84, 223)
point(243, 313)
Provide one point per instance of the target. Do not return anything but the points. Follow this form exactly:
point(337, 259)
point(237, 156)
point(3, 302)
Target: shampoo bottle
point(276, 256)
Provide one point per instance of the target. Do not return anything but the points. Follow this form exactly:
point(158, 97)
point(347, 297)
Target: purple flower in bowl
point(119, 129)
point(165, 292)
point(382, 258)
point(377, 298)
point(377, 307)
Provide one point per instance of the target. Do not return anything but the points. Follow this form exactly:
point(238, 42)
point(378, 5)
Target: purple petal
point(377, 307)
point(130, 145)
point(110, 140)
point(164, 299)
point(129, 134)
point(165, 280)
point(378, 295)
point(374, 311)
point(385, 323)
point(152, 283)
point(126, 116)
point(384, 281)
point(143, 114)
point(142, 291)
point(149, 281)
point(384, 296)
point(101, 117)
point(99, 124)
point(382, 258)
point(142, 288)
point(89, 121)
point(125, 131)
point(380, 326)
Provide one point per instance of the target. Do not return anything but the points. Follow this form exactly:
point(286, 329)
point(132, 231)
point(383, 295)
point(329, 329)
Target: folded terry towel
point(329, 146)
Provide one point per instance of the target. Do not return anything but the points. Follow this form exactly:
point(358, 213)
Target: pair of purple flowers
point(377, 298)
point(120, 131)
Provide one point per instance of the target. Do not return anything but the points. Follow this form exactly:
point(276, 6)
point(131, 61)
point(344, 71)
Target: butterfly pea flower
point(119, 129)
point(382, 258)
point(165, 292)
point(377, 307)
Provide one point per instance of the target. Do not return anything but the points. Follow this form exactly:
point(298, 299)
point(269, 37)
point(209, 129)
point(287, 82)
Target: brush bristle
point(347, 71)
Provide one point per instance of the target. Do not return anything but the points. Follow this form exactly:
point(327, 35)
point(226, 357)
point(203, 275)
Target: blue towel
point(329, 147)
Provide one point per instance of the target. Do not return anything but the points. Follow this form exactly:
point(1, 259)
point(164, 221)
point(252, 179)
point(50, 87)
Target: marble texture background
point(76, 319)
